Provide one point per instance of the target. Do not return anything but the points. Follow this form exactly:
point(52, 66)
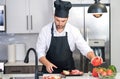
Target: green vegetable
point(113, 68)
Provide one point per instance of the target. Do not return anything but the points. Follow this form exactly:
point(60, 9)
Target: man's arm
point(95, 60)
point(48, 64)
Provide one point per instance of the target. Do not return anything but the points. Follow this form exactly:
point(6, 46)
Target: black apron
point(59, 54)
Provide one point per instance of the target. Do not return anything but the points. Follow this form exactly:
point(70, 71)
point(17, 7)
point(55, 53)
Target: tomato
point(95, 72)
point(100, 70)
point(109, 72)
point(113, 68)
point(96, 61)
point(104, 73)
point(52, 78)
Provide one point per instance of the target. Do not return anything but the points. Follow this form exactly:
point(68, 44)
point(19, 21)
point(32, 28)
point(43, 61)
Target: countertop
point(20, 63)
point(31, 76)
point(0, 75)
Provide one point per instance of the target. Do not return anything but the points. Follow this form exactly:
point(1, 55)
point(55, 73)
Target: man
point(57, 41)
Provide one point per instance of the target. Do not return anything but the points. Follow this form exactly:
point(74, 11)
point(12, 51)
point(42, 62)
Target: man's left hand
point(96, 61)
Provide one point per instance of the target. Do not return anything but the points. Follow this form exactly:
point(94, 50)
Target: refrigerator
point(95, 31)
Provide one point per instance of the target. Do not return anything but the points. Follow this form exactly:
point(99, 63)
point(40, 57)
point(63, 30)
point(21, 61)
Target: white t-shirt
point(74, 39)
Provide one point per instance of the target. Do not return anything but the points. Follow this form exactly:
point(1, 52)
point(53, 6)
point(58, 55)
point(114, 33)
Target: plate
point(51, 76)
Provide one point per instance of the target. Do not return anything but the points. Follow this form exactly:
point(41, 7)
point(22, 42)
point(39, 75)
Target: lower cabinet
point(20, 69)
point(25, 78)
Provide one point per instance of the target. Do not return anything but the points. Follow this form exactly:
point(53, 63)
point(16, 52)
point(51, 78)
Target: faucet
point(26, 60)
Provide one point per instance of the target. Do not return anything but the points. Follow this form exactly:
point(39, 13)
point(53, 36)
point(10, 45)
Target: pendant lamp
point(97, 7)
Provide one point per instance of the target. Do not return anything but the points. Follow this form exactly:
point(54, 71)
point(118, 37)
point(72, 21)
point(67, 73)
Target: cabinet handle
point(31, 22)
point(27, 21)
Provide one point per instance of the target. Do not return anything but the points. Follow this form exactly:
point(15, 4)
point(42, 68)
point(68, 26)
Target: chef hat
point(62, 8)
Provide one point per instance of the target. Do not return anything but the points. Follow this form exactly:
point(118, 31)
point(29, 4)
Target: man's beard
point(60, 27)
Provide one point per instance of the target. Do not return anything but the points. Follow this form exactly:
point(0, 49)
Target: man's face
point(60, 22)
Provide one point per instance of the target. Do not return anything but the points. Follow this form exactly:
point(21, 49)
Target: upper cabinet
point(86, 1)
point(28, 16)
point(93, 1)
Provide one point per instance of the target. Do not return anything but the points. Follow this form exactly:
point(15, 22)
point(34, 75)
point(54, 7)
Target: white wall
point(115, 33)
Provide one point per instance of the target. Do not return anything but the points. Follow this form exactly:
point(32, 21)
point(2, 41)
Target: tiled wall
point(2, 2)
point(29, 40)
point(5, 39)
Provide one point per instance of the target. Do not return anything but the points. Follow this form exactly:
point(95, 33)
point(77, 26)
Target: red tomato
point(95, 72)
point(109, 72)
point(104, 73)
point(52, 78)
point(96, 61)
point(100, 70)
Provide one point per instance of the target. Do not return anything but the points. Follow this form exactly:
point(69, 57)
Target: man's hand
point(96, 61)
point(49, 67)
point(48, 64)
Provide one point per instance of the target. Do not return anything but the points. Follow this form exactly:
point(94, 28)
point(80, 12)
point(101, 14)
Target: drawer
point(20, 69)
point(96, 42)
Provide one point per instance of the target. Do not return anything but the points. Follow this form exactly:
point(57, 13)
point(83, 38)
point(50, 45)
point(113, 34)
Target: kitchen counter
point(31, 76)
point(0, 75)
point(20, 67)
point(21, 63)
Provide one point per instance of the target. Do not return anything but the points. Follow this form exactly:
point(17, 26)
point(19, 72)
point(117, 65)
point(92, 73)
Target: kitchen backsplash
point(6, 39)
point(2, 2)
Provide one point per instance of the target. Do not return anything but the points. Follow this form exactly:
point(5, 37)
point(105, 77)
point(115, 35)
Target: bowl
point(107, 77)
point(51, 76)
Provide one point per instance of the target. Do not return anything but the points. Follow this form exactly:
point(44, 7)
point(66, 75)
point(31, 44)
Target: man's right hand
point(96, 61)
point(49, 67)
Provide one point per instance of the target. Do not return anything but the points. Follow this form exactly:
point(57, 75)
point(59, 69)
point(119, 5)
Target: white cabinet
point(28, 16)
point(16, 16)
point(86, 1)
point(93, 1)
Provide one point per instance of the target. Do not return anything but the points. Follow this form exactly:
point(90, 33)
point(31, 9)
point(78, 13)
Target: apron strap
point(52, 29)
point(66, 34)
